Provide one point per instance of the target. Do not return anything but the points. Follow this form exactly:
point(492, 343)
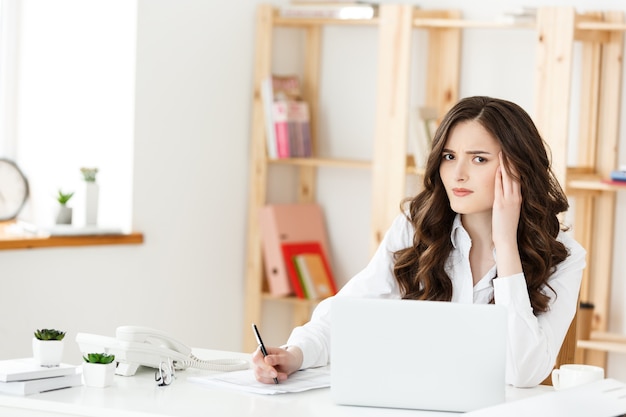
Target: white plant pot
point(92, 191)
point(47, 352)
point(98, 375)
point(64, 215)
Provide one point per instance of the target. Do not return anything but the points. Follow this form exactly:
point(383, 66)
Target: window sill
point(8, 241)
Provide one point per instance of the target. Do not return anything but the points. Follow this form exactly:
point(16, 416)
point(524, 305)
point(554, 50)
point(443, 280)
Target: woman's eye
point(480, 159)
point(448, 157)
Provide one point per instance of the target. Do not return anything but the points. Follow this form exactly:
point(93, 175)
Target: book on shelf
point(299, 129)
point(518, 15)
point(300, 273)
point(34, 386)
point(287, 223)
point(267, 97)
point(287, 118)
point(281, 128)
point(614, 182)
point(331, 2)
point(330, 10)
point(26, 369)
point(315, 275)
point(424, 122)
point(618, 175)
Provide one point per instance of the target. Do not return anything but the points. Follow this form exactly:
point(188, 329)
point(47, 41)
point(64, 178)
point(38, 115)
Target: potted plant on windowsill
point(98, 369)
point(48, 347)
point(92, 190)
point(64, 215)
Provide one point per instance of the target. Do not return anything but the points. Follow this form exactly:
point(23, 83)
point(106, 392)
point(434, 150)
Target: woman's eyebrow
point(472, 152)
point(477, 152)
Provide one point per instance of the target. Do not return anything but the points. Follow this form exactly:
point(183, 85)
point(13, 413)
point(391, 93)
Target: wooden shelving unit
point(558, 30)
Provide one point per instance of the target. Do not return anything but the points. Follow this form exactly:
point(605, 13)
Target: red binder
point(304, 280)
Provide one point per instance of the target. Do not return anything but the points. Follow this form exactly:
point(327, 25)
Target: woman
point(483, 230)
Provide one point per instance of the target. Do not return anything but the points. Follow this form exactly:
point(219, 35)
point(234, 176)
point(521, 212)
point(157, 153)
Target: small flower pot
point(64, 215)
point(98, 375)
point(47, 352)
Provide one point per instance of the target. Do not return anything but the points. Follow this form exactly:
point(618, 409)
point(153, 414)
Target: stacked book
point(619, 174)
point(24, 376)
point(617, 177)
point(323, 9)
point(287, 117)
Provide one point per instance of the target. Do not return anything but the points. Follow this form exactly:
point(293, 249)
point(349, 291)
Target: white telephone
point(134, 346)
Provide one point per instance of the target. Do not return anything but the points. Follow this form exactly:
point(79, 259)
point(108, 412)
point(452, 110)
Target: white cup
point(568, 376)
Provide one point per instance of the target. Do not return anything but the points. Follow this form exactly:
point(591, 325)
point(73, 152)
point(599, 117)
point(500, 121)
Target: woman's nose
point(460, 172)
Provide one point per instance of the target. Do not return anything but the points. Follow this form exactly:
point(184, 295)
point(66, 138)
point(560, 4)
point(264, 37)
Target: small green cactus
point(49, 334)
point(103, 358)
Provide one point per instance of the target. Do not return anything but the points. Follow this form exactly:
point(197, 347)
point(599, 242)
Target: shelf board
point(316, 162)
point(603, 341)
point(307, 21)
point(605, 26)
point(592, 182)
point(441, 23)
point(290, 300)
point(341, 163)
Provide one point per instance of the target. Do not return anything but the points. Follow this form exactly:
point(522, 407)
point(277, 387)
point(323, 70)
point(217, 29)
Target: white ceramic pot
point(47, 352)
point(64, 215)
point(92, 190)
point(98, 375)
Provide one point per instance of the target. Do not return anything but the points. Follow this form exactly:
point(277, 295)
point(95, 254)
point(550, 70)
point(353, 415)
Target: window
point(70, 102)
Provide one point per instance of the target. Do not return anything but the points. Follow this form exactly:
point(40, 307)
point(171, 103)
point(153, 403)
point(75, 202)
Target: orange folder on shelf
point(288, 223)
point(315, 274)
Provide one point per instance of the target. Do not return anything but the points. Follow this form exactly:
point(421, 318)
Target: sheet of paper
point(304, 380)
point(606, 398)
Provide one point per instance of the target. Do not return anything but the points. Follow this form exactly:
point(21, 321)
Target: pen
point(261, 345)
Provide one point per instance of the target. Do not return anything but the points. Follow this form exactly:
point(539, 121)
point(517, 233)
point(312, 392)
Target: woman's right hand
point(279, 363)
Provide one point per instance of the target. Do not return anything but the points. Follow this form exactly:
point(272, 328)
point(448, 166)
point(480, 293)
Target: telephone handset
point(135, 345)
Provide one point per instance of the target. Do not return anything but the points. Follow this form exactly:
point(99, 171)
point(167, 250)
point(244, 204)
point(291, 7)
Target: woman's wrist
point(297, 354)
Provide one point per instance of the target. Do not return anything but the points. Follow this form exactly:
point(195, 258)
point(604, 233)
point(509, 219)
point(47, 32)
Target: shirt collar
point(456, 225)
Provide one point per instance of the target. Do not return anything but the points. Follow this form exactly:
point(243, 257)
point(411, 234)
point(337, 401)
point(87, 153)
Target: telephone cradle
point(134, 346)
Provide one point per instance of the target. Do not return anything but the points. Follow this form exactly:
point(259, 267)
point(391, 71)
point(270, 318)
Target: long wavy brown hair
point(420, 269)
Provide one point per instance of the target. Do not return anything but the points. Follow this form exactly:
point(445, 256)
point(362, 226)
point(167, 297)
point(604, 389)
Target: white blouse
point(533, 341)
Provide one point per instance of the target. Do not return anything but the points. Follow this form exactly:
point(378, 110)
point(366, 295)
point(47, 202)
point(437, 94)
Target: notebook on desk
point(417, 354)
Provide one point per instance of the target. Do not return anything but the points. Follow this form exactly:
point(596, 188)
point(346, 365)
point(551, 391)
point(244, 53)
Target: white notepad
point(300, 381)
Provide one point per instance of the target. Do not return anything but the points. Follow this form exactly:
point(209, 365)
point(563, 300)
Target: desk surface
point(139, 396)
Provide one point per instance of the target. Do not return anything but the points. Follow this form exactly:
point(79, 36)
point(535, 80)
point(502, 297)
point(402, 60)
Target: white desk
point(139, 396)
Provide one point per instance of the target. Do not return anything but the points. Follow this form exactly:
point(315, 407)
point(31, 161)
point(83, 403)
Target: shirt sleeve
point(535, 341)
point(375, 281)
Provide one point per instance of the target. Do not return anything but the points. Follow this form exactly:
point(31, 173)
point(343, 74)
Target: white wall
point(190, 178)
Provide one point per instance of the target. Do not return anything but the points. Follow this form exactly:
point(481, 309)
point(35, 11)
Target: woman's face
point(468, 167)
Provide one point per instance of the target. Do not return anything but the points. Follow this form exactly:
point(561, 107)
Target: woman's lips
point(461, 192)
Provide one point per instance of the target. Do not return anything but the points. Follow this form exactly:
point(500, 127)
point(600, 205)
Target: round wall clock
point(13, 189)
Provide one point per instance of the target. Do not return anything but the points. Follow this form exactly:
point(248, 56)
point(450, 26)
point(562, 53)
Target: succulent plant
point(103, 358)
point(89, 174)
point(49, 334)
point(63, 198)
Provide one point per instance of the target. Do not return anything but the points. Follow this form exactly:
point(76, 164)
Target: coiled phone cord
point(222, 365)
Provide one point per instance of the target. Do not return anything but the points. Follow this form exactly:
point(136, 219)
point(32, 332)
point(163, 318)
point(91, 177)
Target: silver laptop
point(424, 355)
